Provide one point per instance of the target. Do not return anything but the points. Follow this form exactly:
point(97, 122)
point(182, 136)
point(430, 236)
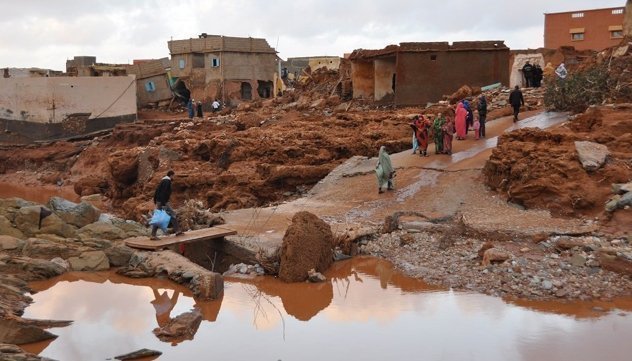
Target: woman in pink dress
point(459, 120)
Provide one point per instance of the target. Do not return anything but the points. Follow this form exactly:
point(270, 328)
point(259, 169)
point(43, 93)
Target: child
point(477, 127)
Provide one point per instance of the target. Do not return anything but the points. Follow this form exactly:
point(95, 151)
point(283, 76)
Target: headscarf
point(385, 161)
point(466, 104)
point(561, 71)
point(483, 100)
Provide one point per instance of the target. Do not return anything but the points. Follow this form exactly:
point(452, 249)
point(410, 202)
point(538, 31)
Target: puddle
point(543, 120)
point(366, 310)
point(39, 194)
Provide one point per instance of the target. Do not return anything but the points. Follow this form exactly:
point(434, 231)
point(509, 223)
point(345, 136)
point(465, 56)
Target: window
point(433, 57)
point(150, 86)
point(181, 63)
point(616, 34)
point(617, 11)
point(577, 15)
point(577, 36)
point(198, 60)
point(214, 62)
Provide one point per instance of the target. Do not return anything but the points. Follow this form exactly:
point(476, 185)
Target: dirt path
point(435, 187)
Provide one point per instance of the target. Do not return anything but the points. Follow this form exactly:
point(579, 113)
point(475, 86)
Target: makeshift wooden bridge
point(205, 234)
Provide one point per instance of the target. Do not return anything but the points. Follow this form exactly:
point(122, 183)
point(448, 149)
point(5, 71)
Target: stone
point(41, 268)
point(307, 244)
point(41, 248)
point(142, 353)
point(90, 261)
point(495, 255)
point(61, 263)
point(7, 229)
point(78, 215)
point(8, 243)
point(119, 255)
point(546, 285)
point(27, 220)
point(615, 263)
point(315, 277)
point(182, 327)
point(591, 155)
point(18, 333)
point(101, 230)
point(578, 260)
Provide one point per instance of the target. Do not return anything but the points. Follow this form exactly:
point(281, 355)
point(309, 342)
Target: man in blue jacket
point(161, 199)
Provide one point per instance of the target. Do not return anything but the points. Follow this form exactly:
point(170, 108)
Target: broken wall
point(153, 90)
point(519, 60)
point(426, 76)
point(362, 78)
point(384, 73)
point(50, 107)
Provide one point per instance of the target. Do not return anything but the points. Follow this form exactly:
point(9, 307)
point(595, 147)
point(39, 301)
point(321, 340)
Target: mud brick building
point(596, 29)
point(418, 73)
point(293, 67)
point(228, 68)
point(152, 80)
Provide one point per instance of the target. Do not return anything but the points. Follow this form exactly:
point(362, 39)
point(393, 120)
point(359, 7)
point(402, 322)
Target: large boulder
point(7, 229)
point(34, 220)
point(307, 245)
point(101, 230)
point(79, 215)
point(90, 261)
point(47, 249)
point(591, 155)
point(18, 333)
point(119, 255)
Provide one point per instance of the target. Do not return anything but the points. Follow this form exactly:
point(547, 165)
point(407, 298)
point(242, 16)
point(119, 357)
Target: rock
point(315, 277)
point(33, 220)
point(621, 188)
point(307, 244)
point(565, 243)
point(495, 255)
point(406, 239)
point(18, 333)
point(40, 268)
point(42, 248)
point(142, 353)
point(119, 255)
point(61, 263)
point(546, 285)
point(182, 327)
point(78, 215)
point(96, 200)
point(8, 243)
point(90, 261)
point(578, 260)
point(101, 230)
point(6, 228)
point(615, 263)
point(591, 155)
point(484, 247)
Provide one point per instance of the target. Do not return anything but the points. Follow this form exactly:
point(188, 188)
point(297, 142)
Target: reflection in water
point(366, 310)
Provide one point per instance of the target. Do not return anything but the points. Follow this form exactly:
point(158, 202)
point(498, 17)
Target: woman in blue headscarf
point(469, 119)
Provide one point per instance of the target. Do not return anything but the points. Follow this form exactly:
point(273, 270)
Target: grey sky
point(44, 33)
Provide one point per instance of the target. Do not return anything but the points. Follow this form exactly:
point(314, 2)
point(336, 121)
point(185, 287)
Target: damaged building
point(418, 73)
point(153, 81)
point(44, 108)
point(293, 68)
point(231, 69)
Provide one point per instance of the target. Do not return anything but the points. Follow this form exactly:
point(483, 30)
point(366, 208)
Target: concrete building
point(153, 81)
point(37, 108)
point(88, 66)
point(418, 73)
point(596, 29)
point(228, 68)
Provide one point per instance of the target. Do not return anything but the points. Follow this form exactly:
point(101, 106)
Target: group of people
point(195, 109)
point(533, 75)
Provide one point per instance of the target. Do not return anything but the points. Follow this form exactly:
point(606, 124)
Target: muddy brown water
point(40, 194)
point(365, 311)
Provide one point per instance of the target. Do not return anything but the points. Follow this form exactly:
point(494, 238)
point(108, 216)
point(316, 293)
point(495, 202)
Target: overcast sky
point(44, 33)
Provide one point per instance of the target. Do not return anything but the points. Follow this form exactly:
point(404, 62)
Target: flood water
point(365, 311)
point(40, 194)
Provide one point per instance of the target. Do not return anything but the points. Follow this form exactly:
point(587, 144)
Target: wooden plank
point(190, 236)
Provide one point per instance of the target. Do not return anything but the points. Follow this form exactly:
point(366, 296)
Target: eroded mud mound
point(541, 168)
point(307, 244)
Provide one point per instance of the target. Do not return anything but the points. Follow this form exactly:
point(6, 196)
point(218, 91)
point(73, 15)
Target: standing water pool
point(366, 310)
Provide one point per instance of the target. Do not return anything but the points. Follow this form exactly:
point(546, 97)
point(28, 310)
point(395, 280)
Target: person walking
point(190, 105)
point(527, 71)
point(459, 121)
point(448, 134)
point(384, 171)
point(413, 125)
point(200, 114)
point(516, 100)
point(482, 114)
point(469, 118)
point(438, 133)
point(161, 199)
